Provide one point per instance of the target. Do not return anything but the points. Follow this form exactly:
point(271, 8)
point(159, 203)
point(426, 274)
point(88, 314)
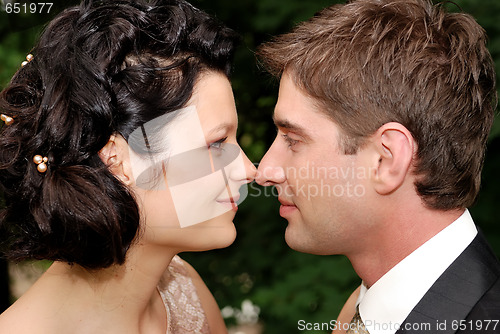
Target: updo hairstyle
point(100, 68)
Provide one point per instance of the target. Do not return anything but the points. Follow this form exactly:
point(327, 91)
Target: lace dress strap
point(184, 311)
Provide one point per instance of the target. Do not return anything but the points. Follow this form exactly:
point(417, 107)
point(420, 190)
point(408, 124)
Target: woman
point(118, 151)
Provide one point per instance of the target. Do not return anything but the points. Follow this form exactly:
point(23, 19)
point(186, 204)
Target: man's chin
point(294, 241)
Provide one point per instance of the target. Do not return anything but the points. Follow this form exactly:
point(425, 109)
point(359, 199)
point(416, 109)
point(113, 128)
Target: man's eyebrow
point(290, 126)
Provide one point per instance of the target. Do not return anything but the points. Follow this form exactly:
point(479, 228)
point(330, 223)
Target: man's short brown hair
point(371, 62)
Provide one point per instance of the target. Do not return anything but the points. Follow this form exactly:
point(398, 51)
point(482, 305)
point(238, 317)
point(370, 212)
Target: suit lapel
point(456, 291)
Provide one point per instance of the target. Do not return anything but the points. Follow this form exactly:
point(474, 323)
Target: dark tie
point(356, 326)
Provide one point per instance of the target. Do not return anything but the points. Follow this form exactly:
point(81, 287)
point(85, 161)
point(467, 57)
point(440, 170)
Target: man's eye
point(291, 142)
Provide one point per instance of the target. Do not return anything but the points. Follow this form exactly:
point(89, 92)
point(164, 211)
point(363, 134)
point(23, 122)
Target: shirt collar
point(386, 304)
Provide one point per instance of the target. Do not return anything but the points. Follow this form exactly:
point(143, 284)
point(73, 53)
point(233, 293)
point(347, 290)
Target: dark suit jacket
point(465, 299)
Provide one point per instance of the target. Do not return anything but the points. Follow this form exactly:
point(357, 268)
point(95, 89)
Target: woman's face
point(200, 175)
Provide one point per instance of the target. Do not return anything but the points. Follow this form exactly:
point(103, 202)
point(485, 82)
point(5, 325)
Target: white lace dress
point(184, 312)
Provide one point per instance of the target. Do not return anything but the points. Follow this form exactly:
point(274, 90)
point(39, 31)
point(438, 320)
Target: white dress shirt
point(386, 304)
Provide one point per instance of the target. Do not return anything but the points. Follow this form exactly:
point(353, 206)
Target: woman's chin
point(226, 238)
point(218, 232)
point(216, 236)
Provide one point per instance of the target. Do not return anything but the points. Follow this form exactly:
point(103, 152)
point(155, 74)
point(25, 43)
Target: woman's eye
point(218, 144)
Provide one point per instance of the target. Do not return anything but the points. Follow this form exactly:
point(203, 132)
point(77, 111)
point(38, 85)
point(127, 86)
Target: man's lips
point(286, 207)
point(285, 202)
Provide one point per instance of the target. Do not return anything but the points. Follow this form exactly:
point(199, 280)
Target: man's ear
point(115, 155)
point(395, 149)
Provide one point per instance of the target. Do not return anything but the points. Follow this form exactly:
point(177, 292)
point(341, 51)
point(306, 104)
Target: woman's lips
point(231, 203)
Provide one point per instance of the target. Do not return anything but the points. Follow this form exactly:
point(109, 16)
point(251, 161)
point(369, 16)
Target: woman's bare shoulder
point(21, 318)
point(37, 311)
point(9, 322)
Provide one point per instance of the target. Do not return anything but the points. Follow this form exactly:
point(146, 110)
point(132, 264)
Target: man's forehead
point(303, 119)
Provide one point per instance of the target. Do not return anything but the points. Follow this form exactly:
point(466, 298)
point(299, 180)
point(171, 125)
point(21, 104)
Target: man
point(383, 114)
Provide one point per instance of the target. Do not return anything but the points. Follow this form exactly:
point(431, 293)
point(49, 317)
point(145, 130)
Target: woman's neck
point(121, 295)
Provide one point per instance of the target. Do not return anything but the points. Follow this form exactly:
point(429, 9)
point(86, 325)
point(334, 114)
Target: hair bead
point(29, 58)
point(7, 119)
point(41, 162)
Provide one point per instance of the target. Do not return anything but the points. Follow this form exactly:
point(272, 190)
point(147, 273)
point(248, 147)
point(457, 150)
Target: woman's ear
point(395, 147)
point(115, 156)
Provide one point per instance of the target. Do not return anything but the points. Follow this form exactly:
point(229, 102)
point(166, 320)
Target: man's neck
point(402, 234)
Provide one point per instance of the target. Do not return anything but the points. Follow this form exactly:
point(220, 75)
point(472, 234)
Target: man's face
point(320, 189)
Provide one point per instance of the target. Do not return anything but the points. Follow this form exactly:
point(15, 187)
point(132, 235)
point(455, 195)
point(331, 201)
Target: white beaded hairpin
point(7, 119)
point(41, 162)
point(29, 58)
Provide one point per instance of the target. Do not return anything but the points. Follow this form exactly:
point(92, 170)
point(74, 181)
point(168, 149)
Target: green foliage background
point(286, 285)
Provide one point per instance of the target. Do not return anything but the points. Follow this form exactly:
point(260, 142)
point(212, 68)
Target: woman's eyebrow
point(223, 126)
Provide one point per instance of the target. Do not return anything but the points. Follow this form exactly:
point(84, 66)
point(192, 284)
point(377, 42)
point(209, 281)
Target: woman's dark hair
point(100, 68)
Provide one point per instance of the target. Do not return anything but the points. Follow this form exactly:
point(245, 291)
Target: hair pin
point(41, 162)
point(7, 119)
point(29, 58)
